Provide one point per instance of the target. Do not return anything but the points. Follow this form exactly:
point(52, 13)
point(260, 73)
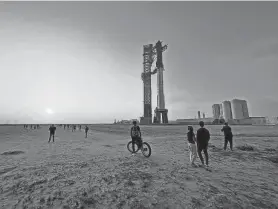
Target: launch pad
point(161, 113)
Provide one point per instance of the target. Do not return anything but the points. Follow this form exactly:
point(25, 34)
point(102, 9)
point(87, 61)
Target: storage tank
point(237, 109)
point(227, 111)
point(245, 109)
point(199, 114)
point(221, 111)
point(216, 111)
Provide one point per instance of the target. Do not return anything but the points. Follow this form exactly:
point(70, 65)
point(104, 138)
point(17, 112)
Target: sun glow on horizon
point(49, 111)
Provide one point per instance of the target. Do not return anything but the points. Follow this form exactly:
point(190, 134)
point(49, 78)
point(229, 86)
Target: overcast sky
point(84, 59)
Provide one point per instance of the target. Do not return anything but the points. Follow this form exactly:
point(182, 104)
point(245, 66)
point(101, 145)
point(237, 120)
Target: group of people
point(199, 144)
point(52, 130)
point(32, 126)
point(196, 144)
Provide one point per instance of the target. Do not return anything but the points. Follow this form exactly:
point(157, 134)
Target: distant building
point(227, 110)
point(245, 109)
point(239, 109)
point(258, 120)
point(221, 111)
point(216, 111)
point(192, 121)
point(272, 120)
point(199, 114)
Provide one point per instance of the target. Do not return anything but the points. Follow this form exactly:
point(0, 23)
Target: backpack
point(134, 131)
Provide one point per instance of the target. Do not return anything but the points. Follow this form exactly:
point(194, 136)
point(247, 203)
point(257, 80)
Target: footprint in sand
point(6, 170)
point(13, 152)
point(107, 145)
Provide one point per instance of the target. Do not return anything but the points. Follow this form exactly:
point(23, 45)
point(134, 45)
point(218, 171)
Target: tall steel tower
point(150, 54)
point(147, 82)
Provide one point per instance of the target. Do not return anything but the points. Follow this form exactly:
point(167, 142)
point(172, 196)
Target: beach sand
point(99, 172)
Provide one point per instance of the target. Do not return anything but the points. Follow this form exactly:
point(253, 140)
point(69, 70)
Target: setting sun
point(48, 111)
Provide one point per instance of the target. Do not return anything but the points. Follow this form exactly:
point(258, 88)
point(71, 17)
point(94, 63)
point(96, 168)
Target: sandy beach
point(99, 172)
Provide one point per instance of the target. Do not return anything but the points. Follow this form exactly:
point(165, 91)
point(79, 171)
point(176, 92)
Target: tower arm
point(164, 47)
point(154, 71)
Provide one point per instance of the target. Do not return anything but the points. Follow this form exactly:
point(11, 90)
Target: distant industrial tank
point(199, 114)
point(216, 111)
point(245, 109)
point(237, 109)
point(221, 111)
point(227, 110)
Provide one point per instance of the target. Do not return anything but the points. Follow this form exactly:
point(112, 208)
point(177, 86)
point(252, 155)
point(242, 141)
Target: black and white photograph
point(138, 105)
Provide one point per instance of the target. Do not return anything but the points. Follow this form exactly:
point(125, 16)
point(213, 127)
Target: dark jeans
point(51, 134)
point(230, 140)
point(203, 147)
point(86, 134)
point(136, 140)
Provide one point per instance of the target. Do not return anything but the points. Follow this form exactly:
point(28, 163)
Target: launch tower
point(150, 54)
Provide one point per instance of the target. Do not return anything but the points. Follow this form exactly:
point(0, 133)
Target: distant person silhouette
point(203, 137)
point(86, 131)
point(228, 134)
point(52, 130)
point(80, 127)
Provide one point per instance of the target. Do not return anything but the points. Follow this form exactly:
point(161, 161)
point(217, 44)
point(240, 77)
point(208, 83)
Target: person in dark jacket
point(135, 134)
point(86, 131)
point(228, 134)
point(52, 130)
point(192, 145)
point(203, 137)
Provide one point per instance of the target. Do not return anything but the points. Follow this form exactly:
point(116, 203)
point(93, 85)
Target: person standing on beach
point(86, 131)
point(135, 134)
point(203, 137)
point(192, 145)
point(52, 130)
point(228, 134)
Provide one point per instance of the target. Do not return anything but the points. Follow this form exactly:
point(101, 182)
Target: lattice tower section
point(146, 77)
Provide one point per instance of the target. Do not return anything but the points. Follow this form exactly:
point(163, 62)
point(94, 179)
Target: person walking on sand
point(228, 134)
point(135, 134)
point(203, 137)
point(86, 131)
point(192, 146)
point(52, 130)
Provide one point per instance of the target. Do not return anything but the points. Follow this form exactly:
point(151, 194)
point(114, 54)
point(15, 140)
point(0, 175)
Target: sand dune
point(99, 172)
